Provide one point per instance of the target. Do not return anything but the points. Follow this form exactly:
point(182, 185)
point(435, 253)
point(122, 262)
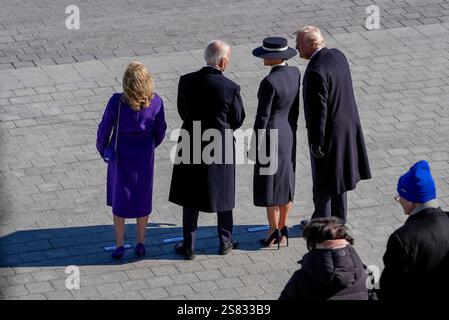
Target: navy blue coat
point(278, 109)
point(333, 122)
point(209, 97)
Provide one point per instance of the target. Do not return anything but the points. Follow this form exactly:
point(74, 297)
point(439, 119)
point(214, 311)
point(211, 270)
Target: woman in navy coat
point(139, 115)
point(277, 114)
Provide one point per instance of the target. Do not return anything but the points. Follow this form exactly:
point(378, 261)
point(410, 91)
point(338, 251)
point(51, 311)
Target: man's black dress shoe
point(187, 253)
point(227, 248)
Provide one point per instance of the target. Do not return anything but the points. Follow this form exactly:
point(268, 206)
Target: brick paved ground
point(54, 84)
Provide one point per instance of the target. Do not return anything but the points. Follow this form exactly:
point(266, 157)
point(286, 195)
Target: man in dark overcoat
point(337, 146)
point(417, 256)
point(210, 107)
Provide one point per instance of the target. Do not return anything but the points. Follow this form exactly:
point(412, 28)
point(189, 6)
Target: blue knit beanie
point(417, 184)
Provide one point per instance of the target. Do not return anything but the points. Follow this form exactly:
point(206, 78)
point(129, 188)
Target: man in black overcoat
point(417, 256)
point(208, 104)
point(338, 153)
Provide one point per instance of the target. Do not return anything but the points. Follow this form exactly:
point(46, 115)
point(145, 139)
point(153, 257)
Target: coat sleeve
point(181, 102)
point(160, 126)
point(291, 290)
point(237, 112)
point(293, 115)
point(105, 126)
point(395, 273)
point(317, 99)
point(265, 96)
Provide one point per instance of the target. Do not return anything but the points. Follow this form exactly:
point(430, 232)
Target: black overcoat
point(332, 121)
point(417, 258)
point(278, 109)
point(208, 98)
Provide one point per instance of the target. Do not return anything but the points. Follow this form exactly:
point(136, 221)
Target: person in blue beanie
point(417, 256)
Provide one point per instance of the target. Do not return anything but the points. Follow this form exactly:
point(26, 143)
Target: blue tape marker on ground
point(112, 248)
point(170, 240)
point(256, 229)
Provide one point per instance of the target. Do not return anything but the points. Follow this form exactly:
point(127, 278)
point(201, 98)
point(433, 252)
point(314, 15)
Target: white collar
point(279, 65)
point(215, 67)
point(318, 50)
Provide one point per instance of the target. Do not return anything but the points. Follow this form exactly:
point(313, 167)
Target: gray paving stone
point(227, 294)
point(200, 296)
point(130, 295)
point(164, 270)
point(249, 291)
point(211, 274)
point(154, 294)
point(110, 288)
point(15, 291)
point(40, 287)
point(160, 281)
point(254, 279)
point(59, 295)
point(34, 297)
point(51, 104)
point(21, 279)
point(232, 282)
point(180, 290)
point(184, 278)
point(204, 286)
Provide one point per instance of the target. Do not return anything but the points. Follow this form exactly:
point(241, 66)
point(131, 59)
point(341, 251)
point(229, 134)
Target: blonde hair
point(312, 35)
point(137, 86)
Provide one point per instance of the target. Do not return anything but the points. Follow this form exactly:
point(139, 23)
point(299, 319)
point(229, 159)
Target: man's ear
point(222, 64)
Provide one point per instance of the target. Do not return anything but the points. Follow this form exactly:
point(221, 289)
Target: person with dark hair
point(331, 269)
point(417, 256)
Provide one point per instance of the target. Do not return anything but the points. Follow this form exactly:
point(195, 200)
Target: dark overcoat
point(417, 258)
point(328, 274)
point(332, 121)
point(278, 110)
point(207, 98)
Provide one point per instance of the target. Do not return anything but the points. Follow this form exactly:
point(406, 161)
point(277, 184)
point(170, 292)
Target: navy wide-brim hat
point(274, 48)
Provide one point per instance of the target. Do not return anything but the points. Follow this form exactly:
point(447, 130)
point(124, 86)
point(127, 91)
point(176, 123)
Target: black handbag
point(110, 153)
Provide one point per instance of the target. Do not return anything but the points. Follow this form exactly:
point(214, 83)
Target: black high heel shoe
point(284, 233)
point(272, 239)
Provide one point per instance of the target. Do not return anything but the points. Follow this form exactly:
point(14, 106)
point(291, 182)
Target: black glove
point(316, 151)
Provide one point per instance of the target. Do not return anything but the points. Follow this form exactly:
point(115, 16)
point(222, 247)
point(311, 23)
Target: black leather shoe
point(188, 254)
point(225, 249)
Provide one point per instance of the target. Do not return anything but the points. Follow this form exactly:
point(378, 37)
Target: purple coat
point(130, 176)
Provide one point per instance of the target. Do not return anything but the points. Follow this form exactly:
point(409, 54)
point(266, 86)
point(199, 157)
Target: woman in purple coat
point(139, 114)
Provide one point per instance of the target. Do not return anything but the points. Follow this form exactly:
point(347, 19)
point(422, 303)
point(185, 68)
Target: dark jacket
point(334, 274)
point(333, 122)
point(278, 109)
point(417, 258)
point(210, 98)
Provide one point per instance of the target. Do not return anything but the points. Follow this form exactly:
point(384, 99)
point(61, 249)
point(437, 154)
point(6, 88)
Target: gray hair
point(215, 51)
point(312, 34)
